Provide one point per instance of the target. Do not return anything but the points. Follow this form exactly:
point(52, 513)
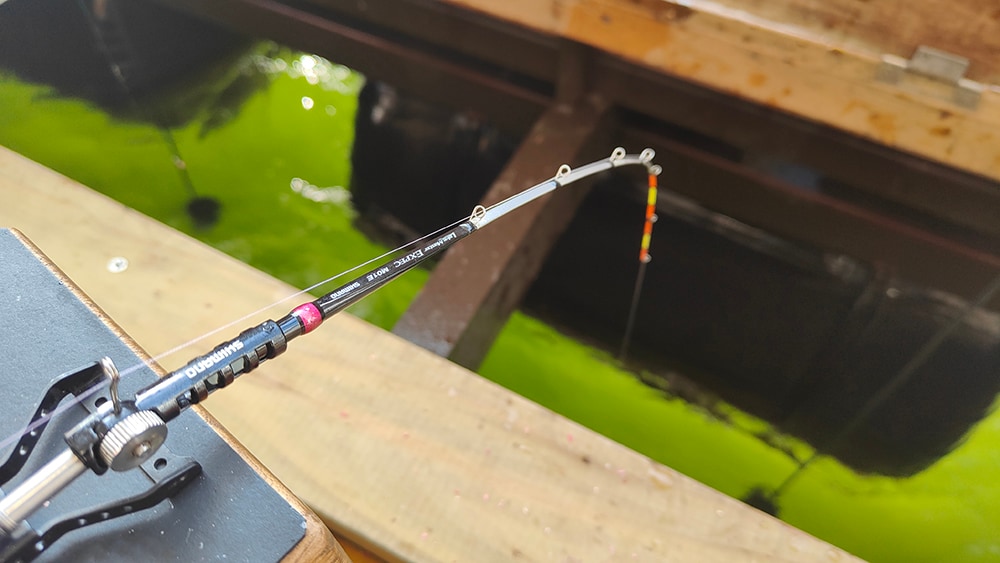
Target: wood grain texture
point(818, 76)
point(398, 450)
point(970, 28)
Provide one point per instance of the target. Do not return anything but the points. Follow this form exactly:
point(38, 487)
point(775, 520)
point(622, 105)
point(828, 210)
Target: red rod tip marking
point(309, 315)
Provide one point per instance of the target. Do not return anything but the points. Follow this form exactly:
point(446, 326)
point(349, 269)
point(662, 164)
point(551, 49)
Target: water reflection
point(337, 195)
point(314, 69)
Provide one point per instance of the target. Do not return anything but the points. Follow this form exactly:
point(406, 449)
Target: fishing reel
point(123, 435)
point(116, 436)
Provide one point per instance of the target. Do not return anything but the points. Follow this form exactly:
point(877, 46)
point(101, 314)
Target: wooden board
point(400, 451)
point(828, 77)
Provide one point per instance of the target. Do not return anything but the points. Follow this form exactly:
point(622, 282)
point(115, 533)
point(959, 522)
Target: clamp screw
point(133, 440)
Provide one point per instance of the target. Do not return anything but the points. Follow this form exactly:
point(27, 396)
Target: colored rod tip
point(310, 316)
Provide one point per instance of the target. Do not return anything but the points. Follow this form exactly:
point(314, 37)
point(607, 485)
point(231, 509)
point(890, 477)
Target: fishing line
point(644, 258)
point(299, 293)
point(902, 377)
point(71, 402)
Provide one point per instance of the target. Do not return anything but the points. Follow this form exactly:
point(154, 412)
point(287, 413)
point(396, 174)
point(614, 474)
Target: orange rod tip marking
point(647, 229)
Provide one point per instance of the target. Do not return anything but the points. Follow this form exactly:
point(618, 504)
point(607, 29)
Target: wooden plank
point(773, 64)
point(411, 456)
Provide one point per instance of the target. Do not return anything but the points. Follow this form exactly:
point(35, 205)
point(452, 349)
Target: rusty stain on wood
point(884, 127)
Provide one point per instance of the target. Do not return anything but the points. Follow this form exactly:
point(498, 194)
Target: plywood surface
point(816, 60)
point(410, 456)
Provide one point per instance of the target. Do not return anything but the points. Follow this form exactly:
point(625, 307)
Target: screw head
point(133, 440)
point(118, 264)
point(141, 449)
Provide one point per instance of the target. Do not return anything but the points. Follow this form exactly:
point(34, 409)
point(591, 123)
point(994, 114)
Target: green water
point(278, 165)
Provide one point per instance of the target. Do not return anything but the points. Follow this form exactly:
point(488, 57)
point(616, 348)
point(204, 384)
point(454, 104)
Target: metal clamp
point(939, 66)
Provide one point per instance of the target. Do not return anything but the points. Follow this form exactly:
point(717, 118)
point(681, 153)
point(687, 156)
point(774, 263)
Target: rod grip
point(196, 380)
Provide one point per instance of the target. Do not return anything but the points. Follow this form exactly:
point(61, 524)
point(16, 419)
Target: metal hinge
point(945, 69)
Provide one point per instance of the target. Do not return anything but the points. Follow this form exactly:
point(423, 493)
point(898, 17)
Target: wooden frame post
point(479, 283)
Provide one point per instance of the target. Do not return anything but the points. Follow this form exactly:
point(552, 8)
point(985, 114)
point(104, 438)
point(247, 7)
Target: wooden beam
point(407, 454)
point(479, 283)
point(775, 65)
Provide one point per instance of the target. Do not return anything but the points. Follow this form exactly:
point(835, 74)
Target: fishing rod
point(123, 434)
